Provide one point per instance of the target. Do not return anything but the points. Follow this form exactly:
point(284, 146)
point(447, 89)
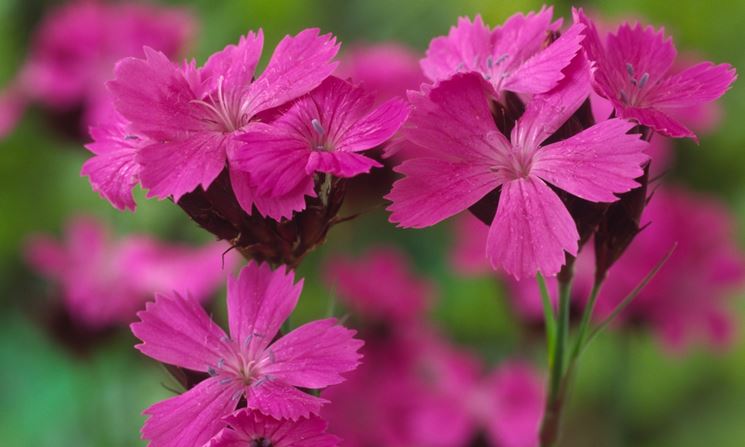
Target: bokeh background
point(630, 391)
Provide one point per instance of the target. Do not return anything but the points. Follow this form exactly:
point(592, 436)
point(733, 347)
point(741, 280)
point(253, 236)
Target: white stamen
point(317, 126)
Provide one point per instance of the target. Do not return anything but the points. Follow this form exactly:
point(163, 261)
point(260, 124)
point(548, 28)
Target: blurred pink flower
point(380, 286)
point(386, 70)
point(105, 281)
point(252, 429)
point(416, 390)
point(688, 297)
point(323, 131)
point(74, 50)
point(469, 157)
point(512, 57)
point(248, 363)
point(633, 71)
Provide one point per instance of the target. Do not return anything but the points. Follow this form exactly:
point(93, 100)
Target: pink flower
point(687, 298)
point(73, 53)
point(251, 428)
point(632, 70)
point(380, 286)
point(468, 157)
point(469, 239)
point(245, 364)
point(323, 132)
point(387, 70)
point(512, 57)
point(191, 116)
point(104, 281)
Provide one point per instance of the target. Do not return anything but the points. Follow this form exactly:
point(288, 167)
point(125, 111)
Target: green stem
point(550, 425)
point(549, 317)
point(584, 325)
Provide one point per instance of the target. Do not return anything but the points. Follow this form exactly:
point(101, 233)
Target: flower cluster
point(257, 160)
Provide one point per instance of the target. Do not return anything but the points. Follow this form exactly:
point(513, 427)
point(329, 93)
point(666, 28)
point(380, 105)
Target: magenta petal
point(282, 401)
point(701, 83)
point(340, 164)
point(247, 426)
point(156, 97)
point(531, 230)
point(174, 168)
point(190, 419)
point(177, 331)
point(376, 128)
point(545, 113)
point(543, 71)
point(596, 163)
point(274, 157)
point(275, 207)
point(314, 355)
point(645, 49)
point(433, 190)
point(235, 64)
point(259, 301)
point(113, 170)
point(298, 65)
point(659, 122)
point(465, 47)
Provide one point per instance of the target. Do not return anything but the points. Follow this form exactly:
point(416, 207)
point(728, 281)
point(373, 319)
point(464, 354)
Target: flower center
point(227, 110)
point(260, 442)
point(319, 139)
point(634, 91)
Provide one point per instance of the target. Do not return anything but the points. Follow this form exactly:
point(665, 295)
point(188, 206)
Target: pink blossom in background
point(633, 71)
point(190, 116)
point(104, 281)
point(74, 49)
point(322, 132)
point(468, 255)
point(247, 363)
point(512, 57)
point(386, 70)
point(250, 428)
point(468, 158)
point(417, 390)
point(380, 286)
point(687, 299)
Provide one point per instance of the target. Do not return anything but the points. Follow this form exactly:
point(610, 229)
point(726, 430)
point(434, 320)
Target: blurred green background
point(629, 391)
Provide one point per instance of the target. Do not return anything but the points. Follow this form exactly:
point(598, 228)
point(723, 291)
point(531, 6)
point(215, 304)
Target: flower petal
point(531, 230)
point(545, 113)
point(376, 128)
point(340, 164)
point(465, 48)
point(177, 331)
point(659, 122)
point(235, 64)
point(433, 190)
point(543, 71)
point(314, 355)
point(693, 86)
point(299, 64)
point(259, 301)
point(190, 419)
point(596, 163)
point(276, 208)
point(282, 401)
point(177, 167)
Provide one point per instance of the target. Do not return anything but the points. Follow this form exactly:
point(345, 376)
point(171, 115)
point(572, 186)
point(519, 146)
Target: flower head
point(252, 429)
point(512, 57)
point(633, 71)
point(323, 132)
point(105, 281)
point(469, 157)
point(190, 116)
point(248, 363)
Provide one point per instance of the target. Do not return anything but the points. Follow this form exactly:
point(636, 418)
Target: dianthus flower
point(512, 57)
point(633, 68)
point(323, 132)
point(468, 157)
point(188, 117)
point(249, 363)
point(252, 429)
point(105, 282)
